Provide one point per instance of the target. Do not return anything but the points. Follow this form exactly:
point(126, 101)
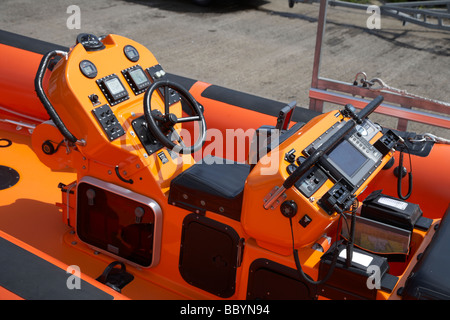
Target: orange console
point(97, 93)
point(322, 168)
point(116, 121)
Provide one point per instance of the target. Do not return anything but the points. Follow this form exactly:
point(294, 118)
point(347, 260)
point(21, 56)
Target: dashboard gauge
point(88, 69)
point(131, 53)
point(113, 89)
point(136, 78)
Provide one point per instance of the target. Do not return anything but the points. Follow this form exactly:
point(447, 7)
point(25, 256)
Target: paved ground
point(263, 47)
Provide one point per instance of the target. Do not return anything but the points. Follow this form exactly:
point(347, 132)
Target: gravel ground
point(261, 47)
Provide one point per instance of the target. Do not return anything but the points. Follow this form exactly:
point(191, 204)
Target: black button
point(305, 221)
point(291, 168)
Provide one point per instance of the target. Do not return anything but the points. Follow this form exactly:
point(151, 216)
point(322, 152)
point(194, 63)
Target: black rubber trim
point(255, 103)
point(4, 143)
point(187, 83)
point(27, 43)
point(33, 278)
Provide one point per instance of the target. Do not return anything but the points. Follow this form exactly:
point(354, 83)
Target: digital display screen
point(132, 53)
point(138, 76)
point(113, 89)
point(347, 157)
point(89, 69)
point(114, 86)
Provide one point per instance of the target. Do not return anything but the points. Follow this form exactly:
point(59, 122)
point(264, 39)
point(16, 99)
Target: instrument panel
point(98, 93)
point(124, 80)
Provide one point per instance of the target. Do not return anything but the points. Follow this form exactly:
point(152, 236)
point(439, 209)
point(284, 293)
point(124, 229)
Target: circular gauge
point(131, 53)
point(88, 69)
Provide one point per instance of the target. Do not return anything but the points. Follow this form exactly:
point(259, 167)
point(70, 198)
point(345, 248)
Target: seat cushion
point(211, 185)
point(429, 280)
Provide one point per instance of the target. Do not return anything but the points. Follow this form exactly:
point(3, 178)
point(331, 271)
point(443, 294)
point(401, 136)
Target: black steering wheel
point(161, 125)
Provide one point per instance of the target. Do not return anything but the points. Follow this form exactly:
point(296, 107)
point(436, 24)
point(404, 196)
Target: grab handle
point(46, 102)
point(370, 107)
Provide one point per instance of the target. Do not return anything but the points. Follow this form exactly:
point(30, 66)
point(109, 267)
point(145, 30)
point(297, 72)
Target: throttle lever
point(349, 110)
point(371, 106)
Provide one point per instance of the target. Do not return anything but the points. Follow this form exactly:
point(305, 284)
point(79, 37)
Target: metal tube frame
point(397, 105)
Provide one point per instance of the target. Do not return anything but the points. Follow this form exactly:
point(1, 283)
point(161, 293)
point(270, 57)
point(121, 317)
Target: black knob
point(291, 168)
point(290, 157)
point(300, 160)
point(288, 208)
point(94, 98)
point(48, 148)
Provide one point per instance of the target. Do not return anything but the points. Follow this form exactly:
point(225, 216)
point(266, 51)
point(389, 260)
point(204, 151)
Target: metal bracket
point(274, 198)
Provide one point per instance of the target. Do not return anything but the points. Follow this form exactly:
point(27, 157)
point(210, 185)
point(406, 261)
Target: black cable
point(300, 271)
point(353, 208)
point(400, 175)
point(350, 242)
point(130, 181)
point(57, 144)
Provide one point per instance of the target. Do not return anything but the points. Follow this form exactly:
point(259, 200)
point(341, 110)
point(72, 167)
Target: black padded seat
point(211, 185)
point(429, 279)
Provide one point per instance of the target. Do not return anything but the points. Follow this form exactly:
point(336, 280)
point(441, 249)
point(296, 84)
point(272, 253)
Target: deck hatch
point(209, 255)
point(119, 222)
point(8, 177)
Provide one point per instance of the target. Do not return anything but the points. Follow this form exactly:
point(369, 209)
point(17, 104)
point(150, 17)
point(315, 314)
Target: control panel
point(108, 121)
point(353, 158)
point(333, 158)
point(98, 92)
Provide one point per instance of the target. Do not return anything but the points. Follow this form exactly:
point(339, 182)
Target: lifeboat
point(119, 180)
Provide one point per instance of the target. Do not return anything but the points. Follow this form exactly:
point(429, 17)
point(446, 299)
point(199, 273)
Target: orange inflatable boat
point(121, 181)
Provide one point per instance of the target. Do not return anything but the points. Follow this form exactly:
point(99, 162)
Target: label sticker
point(393, 203)
point(357, 257)
point(162, 157)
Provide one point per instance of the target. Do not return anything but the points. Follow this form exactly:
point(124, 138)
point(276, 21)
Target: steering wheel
point(162, 125)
